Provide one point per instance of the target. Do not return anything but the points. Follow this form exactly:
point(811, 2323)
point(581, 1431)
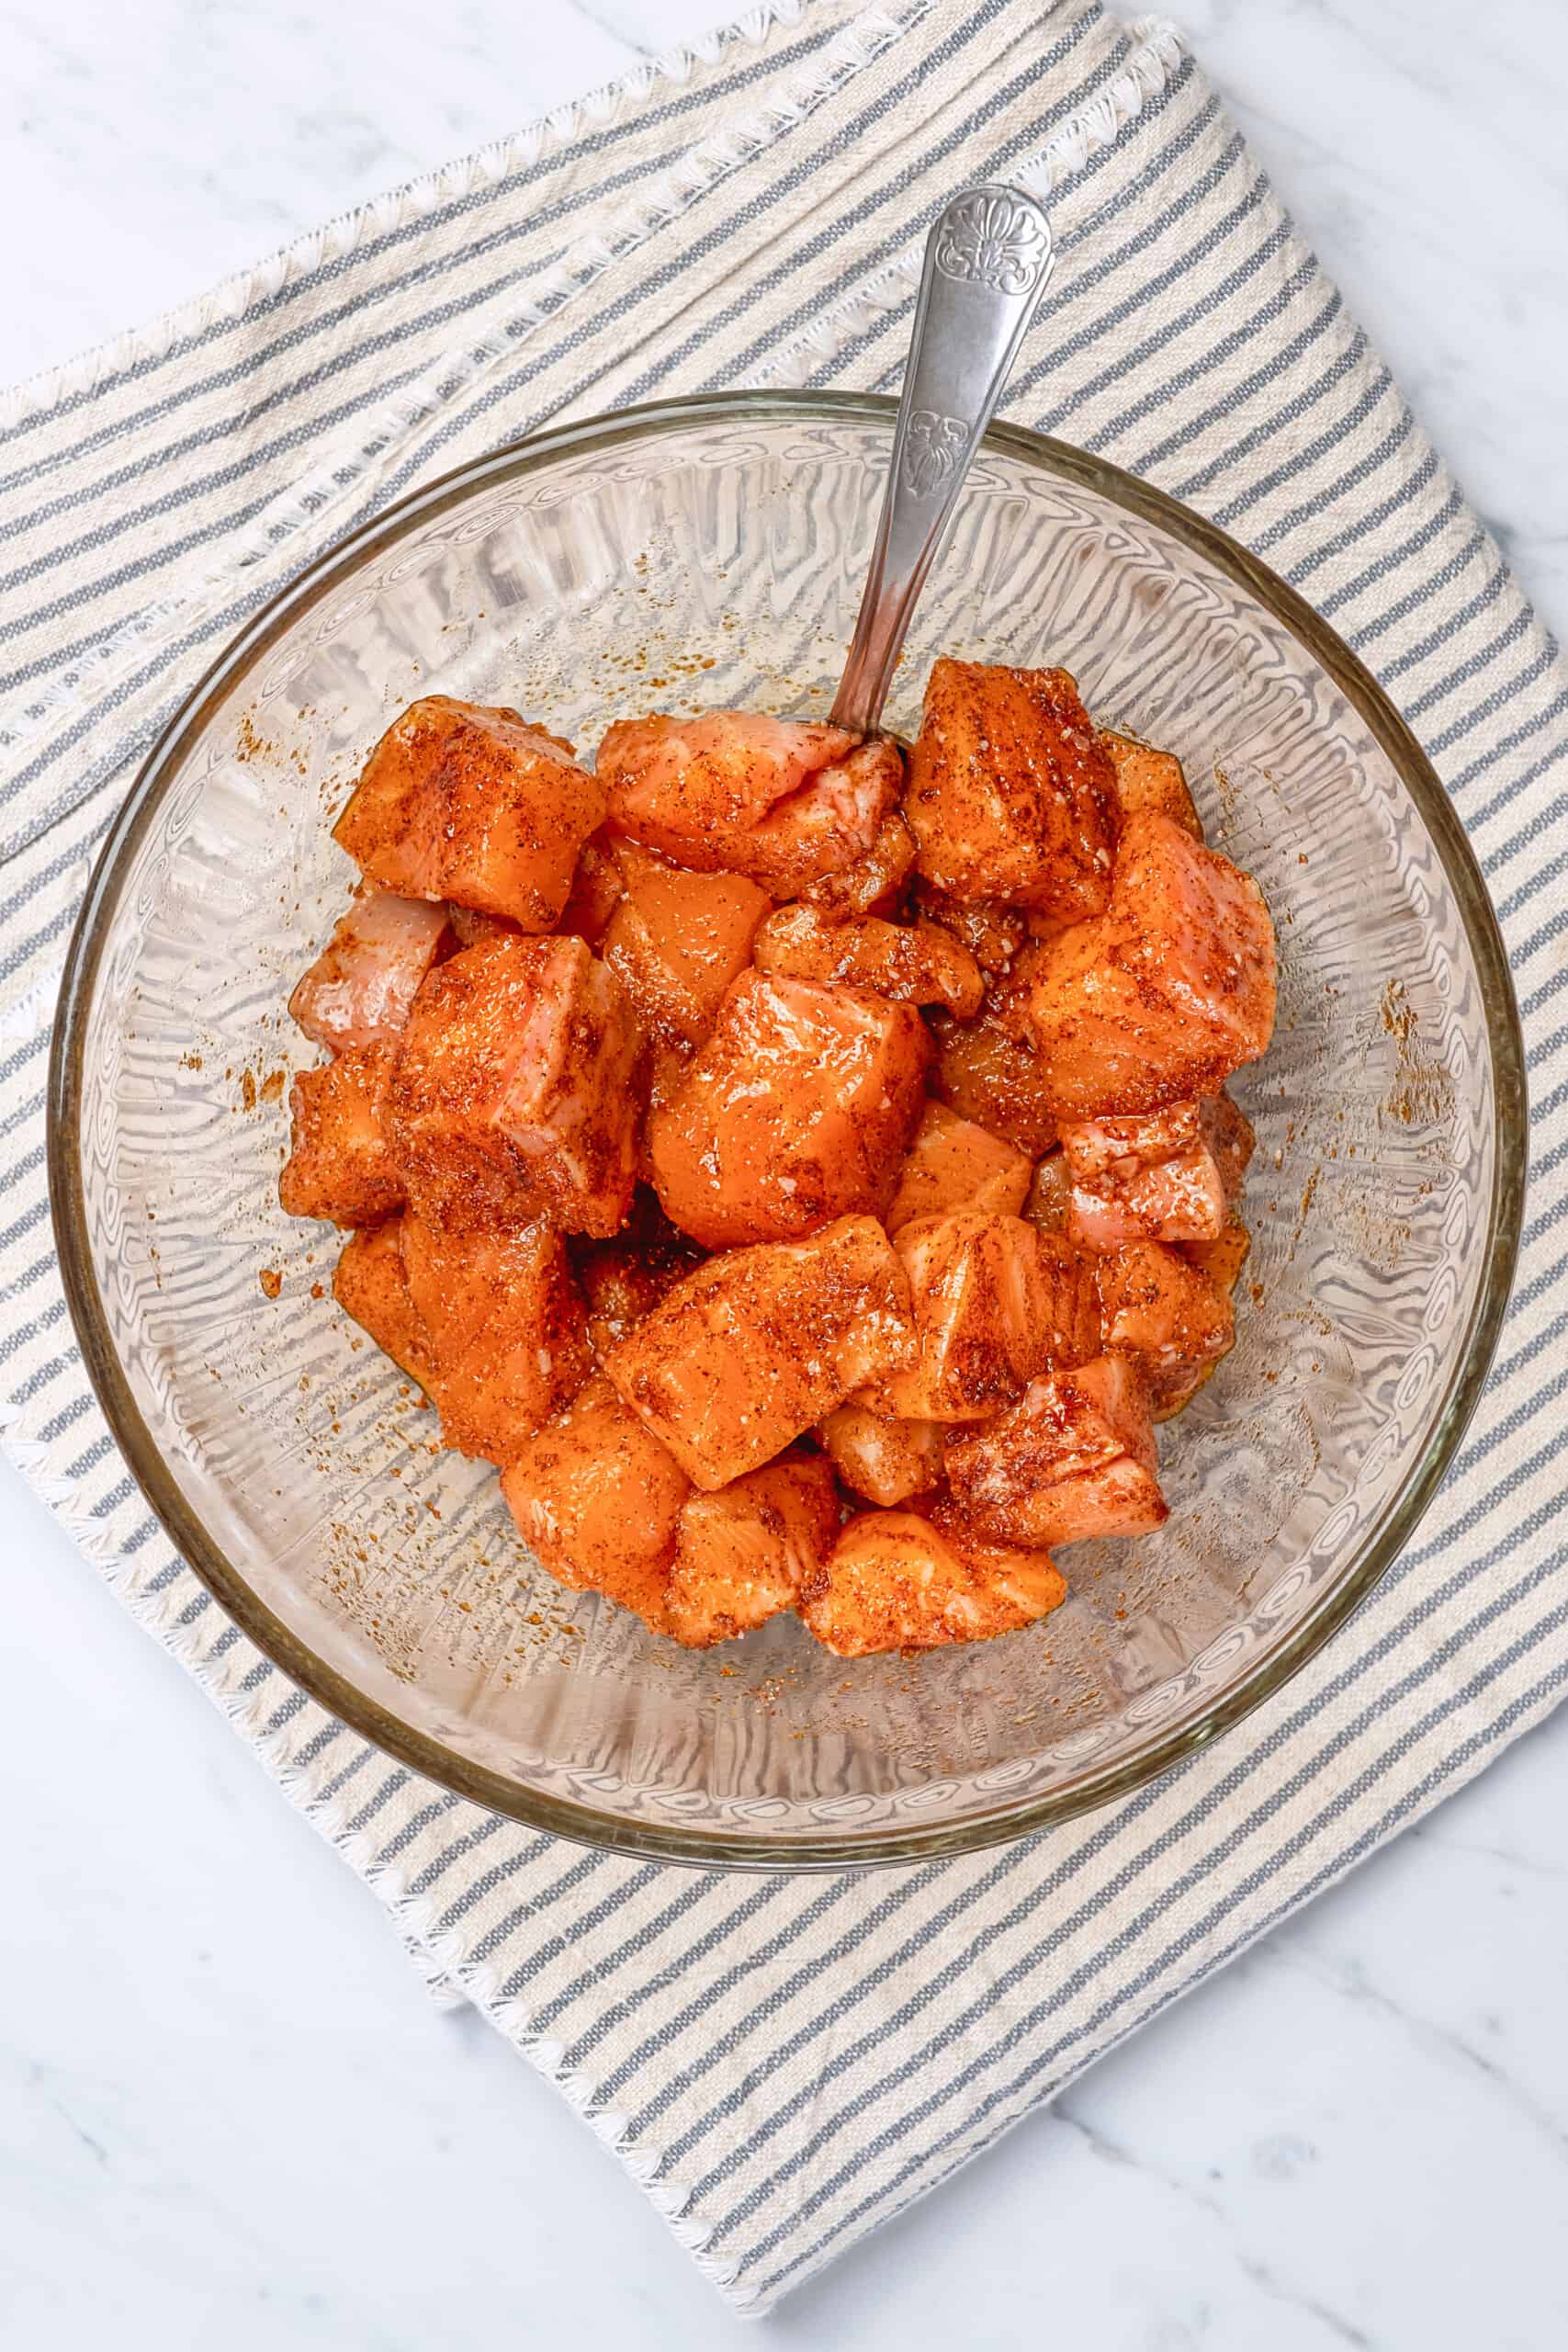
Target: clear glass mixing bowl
point(712, 552)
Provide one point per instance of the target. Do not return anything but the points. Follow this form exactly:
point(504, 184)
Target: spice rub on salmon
point(808, 1178)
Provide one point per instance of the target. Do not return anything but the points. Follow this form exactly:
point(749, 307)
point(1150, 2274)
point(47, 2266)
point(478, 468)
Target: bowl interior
point(715, 557)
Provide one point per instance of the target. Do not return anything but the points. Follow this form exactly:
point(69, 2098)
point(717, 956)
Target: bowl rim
point(677, 1843)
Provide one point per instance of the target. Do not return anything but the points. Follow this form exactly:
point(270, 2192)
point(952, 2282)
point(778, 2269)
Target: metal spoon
point(987, 260)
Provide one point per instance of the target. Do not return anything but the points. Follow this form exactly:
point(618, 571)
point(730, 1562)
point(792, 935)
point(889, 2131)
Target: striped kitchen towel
point(782, 2064)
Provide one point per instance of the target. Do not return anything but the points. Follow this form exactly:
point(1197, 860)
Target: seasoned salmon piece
point(624, 1278)
point(831, 824)
point(755, 1347)
point(682, 785)
point(466, 926)
point(990, 1070)
point(955, 1164)
point(872, 883)
point(910, 963)
point(598, 1500)
point(742, 1555)
point(1011, 795)
point(1168, 1317)
point(358, 991)
point(339, 1164)
point(1075, 1457)
point(897, 1580)
point(371, 1286)
point(1227, 1132)
point(990, 1314)
point(797, 1110)
point(1149, 779)
point(595, 893)
point(1152, 1179)
point(506, 1327)
point(677, 941)
point(461, 802)
point(884, 1460)
point(1222, 1258)
point(1168, 993)
point(993, 935)
point(513, 1097)
point(1050, 1196)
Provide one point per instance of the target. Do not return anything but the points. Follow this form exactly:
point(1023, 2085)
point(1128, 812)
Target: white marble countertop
point(1357, 2136)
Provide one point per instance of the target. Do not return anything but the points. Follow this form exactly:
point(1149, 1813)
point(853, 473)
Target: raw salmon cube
point(684, 786)
point(829, 824)
point(1011, 795)
point(339, 1165)
point(466, 926)
point(677, 941)
point(506, 1326)
point(1168, 992)
point(370, 1284)
point(597, 1499)
point(461, 802)
point(1222, 1258)
point(1168, 1314)
point(624, 1278)
point(754, 1349)
point(897, 1580)
point(595, 893)
point(742, 1555)
point(1143, 1179)
point(1227, 1132)
point(990, 1070)
point(910, 963)
point(1150, 779)
point(873, 882)
point(797, 1110)
point(953, 1164)
point(987, 1317)
point(358, 991)
point(513, 1097)
point(1075, 1457)
point(993, 935)
point(884, 1460)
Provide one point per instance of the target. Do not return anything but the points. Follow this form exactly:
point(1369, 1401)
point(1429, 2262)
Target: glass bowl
point(711, 553)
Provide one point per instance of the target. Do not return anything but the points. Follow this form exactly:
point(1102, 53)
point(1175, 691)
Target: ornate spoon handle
point(987, 259)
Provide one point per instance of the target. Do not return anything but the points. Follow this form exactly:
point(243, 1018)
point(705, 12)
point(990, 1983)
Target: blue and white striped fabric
point(782, 2064)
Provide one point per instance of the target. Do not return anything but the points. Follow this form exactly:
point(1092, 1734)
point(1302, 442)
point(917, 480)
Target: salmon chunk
point(897, 1580)
point(358, 991)
point(884, 1460)
point(1222, 1258)
point(1168, 993)
point(831, 824)
point(743, 1554)
point(598, 1500)
point(461, 802)
point(1168, 1317)
point(797, 1110)
point(513, 1097)
point(1011, 795)
point(682, 785)
point(370, 1284)
point(990, 1313)
point(1143, 1179)
point(339, 1164)
point(1150, 779)
point(872, 883)
point(1048, 1203)
point(677, 941)
point(624, 1278)
point(1227, 1132)
point(908, 963)
point(1075, 1457)
point(755, 1347)
point(955, 1164)
point(506, 1327)
point(993, 935)
point(990, 1070)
